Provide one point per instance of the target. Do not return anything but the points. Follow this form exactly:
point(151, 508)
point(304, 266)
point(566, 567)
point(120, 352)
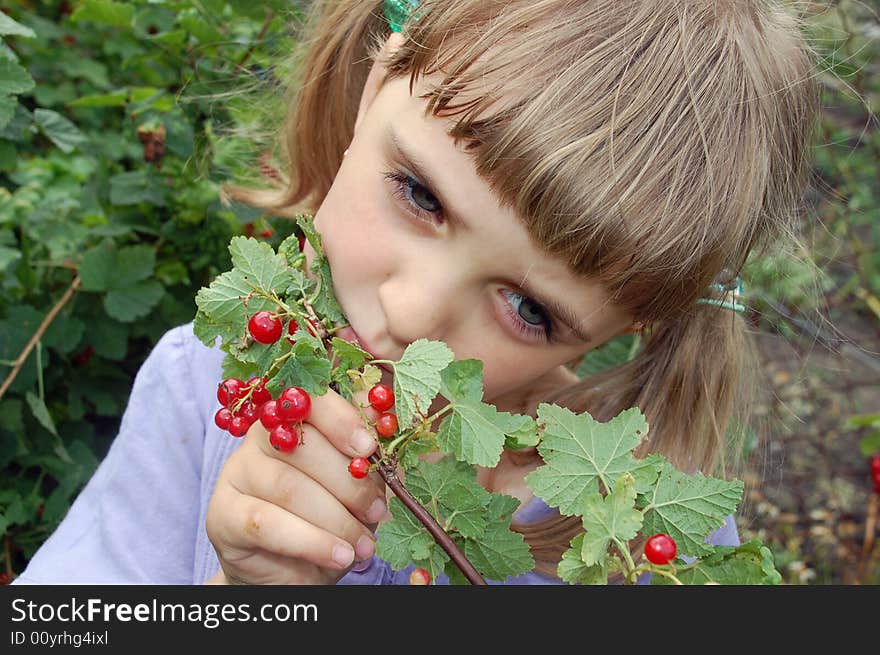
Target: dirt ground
point(807, 484)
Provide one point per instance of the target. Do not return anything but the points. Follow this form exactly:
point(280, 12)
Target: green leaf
point(260, 265)
point(403, 539)
point(14, 78)
point(64, 334)
point(475, 432)
point(324, 301)
point(573, 570)
point(417, 378)
point(609, 518)
point(105, 12)
point(116, 98)
point(747, 564)
point(500, 553)
point(222, 311)
point(134, 264)
point(14, 28)
point(452, 487)
point(60, 131)
point(234, 368)
point(610, 354)
point(133, 302)
point(522, 432)
point(41, 412)
point(98, 267)
point(135, 187)
point(306, 223)
point(7, 109)
point(109, 338)
point(578, 452)
point(350, 356)
point(289, 248)
point(689, 507)
point(306, 367)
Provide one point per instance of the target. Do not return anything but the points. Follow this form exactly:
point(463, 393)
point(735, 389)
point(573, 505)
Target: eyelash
point(402, 185)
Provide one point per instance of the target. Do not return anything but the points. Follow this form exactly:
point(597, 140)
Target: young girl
point(522, 180)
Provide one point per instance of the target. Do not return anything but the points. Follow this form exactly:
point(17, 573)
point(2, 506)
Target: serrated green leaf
point(134, 264)
point(234, 368)
point(403, 539)
point(521, 433)
point(116, 98)
point(462, 381)
point(98, 268)
point(64, 334)
point(452, 487)
point(109, 339)
point(474, 432)
point(222, 311)
point(578, 452)
point(8, 26)
point(689, 507)
point(613, 353)
point(324, 301)
point(609, 518)
point(573, 570)
point(499, 553)
point(14, 78)
point(436, 563)
point(300, 286)
point(306, 368)
point(104, 12)
point(59, 129)
point(306, 223)
point(263, 355)
point(133, 302)
point(350, 356)
point(289, 248)
point(747, 564)
point(41, 412)
point(417, 378)
point(366, 379)
point(260, 265)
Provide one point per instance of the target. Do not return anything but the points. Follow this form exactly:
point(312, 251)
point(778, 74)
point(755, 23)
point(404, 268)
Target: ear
point(376, 77)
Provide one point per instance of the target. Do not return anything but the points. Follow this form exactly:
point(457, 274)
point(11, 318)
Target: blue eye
point(522, 311)
point(411, 192)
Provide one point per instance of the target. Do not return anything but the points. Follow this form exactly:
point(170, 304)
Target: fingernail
point(362, 441)
point(376, 511)
point(365, 548)
point(343, 554)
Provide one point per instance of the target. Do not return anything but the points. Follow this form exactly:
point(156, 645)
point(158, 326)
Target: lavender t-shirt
point(141, 517)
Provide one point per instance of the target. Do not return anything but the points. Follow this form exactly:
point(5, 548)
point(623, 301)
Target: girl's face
point(423, 250)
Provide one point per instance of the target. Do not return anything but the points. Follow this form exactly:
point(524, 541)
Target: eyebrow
point(418, 168)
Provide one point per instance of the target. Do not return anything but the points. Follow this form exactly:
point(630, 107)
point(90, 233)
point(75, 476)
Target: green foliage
point(112, 151)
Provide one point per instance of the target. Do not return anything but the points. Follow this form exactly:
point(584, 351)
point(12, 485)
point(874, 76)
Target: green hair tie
point(732, 293)
point(397, 12)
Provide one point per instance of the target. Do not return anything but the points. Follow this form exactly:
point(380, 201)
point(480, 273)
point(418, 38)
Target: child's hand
point(298, 517)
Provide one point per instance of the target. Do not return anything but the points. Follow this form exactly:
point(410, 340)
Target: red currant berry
point(223, 418)
point(238, 426)
point(660, 549)
point(284, 438)
point(302, 242)
point(269, 415)
point(419, 577)
point(265, 327)
point(230, 390)
point(386, 425)
point(293, 405)
point(40, 510)
point(359, 467)
point(4, 578)
point(875, 463)
point(260, 393)
point(250, 411)
point(381, 397)
point(292, 327)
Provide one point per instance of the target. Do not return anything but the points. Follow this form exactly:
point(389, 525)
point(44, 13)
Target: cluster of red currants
point(252, 402)
point(381, 398)
point(875, 472)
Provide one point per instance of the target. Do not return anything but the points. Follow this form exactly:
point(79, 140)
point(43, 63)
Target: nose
point(423, 298)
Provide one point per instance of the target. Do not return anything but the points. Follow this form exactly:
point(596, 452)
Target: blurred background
point(119, 121)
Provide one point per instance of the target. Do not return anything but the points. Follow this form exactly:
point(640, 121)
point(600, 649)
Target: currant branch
point(387, 471)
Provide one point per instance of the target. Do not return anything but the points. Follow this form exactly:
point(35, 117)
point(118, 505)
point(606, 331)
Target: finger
point(291, 489)
point(319, 459)
point(339, 420)
point(260, 524)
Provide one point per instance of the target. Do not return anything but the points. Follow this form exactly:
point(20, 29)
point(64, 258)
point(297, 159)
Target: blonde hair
point(650, 145)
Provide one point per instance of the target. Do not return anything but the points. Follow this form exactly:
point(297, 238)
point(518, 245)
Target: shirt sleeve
point(135, 520)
